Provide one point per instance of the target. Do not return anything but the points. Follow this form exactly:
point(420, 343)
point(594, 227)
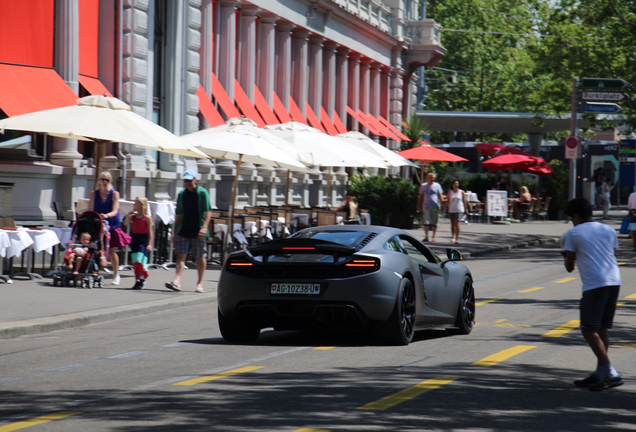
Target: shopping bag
point(625, 226)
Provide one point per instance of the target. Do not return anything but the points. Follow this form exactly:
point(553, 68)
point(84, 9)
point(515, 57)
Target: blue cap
point(188, 175)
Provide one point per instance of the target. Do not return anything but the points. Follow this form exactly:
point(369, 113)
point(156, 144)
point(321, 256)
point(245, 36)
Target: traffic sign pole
point(573, 132)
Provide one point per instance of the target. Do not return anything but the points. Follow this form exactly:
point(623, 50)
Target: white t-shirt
point(456, 201)
point(594, 244)
point(631, 201)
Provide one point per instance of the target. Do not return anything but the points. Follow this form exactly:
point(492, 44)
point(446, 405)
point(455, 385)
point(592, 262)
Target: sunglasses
point(187, 181)
point(104, 179)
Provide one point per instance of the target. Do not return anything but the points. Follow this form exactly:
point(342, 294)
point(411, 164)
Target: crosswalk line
point(219, 375)
point(407, 394)
point(563, 329)
point(492, 360)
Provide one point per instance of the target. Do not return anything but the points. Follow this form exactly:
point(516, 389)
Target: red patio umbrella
point(492, 149)
point(427, 154)
point(510, 162)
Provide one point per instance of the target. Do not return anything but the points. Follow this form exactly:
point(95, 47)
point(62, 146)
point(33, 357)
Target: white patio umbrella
point(314, 147)
point(363, 142)
point(101, 119)
point(241, 140)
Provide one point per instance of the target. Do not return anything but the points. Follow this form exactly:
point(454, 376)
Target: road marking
point(311, 430)
point(37, 420)
point(126, 355)
point(531, 289)
point(626, 343)
point(66, 367)
point(566, 280)
point(219, 375)
point(620, 303)
point(503, 355)
point(501, 323)
point(483, 302)
point(407, 394)
point(8, 380)
point(324, 348)
point(631, 296)
point(621, 263)
point(565, 328)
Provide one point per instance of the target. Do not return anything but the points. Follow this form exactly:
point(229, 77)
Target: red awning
point(313, 119)
point(208, 110)
point(93, 86)
point(245, 104)
point(280, 110)
point(223, 99)
point(337, 122)
point(393, 129)
point(295, 112)
point(26, 89)
point(263, 108)
point(362, 121)
point(379, 126)
point(326, 122)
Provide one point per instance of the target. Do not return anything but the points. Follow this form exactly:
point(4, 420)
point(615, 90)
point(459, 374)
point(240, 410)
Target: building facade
point(191, 64)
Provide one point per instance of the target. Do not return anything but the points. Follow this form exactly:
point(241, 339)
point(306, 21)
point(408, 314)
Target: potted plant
point(390, 200)
point(556, 186)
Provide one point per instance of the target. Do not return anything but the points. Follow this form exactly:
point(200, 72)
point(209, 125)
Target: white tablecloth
point(63, 234)
point(301, 218)
point(5, 243)
point(237, 232)
point(22, 238)
point(365, 218)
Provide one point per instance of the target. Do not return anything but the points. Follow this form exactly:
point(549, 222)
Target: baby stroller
point(88, 276)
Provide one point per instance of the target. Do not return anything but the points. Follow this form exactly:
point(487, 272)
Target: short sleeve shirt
point(431, 195)
point(594, 244)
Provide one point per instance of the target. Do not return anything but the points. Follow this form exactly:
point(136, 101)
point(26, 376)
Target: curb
point(78, 319)
point(485, 252)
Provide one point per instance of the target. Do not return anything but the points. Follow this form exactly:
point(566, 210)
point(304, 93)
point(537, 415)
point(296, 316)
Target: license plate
point(295, 288)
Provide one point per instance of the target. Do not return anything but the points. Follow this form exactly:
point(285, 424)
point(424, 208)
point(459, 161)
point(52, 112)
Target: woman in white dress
point(606, 196)
point(457, 206)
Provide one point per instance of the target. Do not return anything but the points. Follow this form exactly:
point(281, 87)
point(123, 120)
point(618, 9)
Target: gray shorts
point(455, 217)
point(598, 307)
point(186, 245)
point(430, 217)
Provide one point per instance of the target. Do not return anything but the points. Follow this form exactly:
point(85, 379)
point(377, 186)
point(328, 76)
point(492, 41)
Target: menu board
point(497, 203)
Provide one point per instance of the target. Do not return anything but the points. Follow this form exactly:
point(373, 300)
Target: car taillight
point(363, 265)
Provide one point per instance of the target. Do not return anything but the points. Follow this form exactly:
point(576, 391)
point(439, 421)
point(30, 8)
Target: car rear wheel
point(400, 327)
point(466, 311)
point(233, 331)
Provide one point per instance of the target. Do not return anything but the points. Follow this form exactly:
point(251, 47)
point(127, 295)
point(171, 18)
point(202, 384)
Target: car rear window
point(347, 238)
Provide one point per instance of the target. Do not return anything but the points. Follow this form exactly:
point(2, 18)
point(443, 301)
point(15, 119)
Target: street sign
point(572, 147)
point(600, 108)
point(603, 83)
point(603, 96)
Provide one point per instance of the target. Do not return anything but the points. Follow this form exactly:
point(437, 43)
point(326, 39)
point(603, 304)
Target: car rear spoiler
point(301, 245)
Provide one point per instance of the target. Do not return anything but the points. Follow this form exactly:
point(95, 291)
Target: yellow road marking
point(566, 280)
point(531, 289)
point(620, 303)
point(323, 348)
point(626, 343)
point(503, 355)
point(219, 375)
point(407, 394)
point(565, 328)
point(631, 296)
point(37, 420)
point(620, 262)
point(483, 302)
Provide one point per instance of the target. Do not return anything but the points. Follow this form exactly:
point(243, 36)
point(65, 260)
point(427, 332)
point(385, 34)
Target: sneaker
point(173, 286)
point(137, 285)
point(199, 289)
point(116, 280)
point(587, 382)
point(607, 382)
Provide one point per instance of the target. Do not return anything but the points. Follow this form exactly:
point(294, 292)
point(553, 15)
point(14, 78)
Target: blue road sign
point(600, 108)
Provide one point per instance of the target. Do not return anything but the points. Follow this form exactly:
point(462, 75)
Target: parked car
point(345, 278)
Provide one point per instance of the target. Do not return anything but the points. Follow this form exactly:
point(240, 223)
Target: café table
point(25, 240)
point(5, 244)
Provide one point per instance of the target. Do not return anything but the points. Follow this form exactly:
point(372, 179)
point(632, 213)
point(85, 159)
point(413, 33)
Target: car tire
point(465, 319)
point(400, 327)
point(237, 332)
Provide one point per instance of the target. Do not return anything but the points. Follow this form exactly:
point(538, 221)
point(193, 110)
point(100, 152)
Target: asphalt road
point(171, 371)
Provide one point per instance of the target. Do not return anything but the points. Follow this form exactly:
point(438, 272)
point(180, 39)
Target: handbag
point(625, 226)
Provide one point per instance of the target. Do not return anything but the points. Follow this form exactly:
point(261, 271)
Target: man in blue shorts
point(592, 245)
point(191, 229)
point(429, 202)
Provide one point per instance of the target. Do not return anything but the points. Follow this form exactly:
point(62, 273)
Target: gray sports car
point(344, 277)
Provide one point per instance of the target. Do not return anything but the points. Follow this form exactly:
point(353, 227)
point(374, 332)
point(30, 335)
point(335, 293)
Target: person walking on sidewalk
point(631, 215)
point(592, 245)
point(429, 202)
point(142, 239)
point(457, 207)
point(606, 196)
point(191, 229)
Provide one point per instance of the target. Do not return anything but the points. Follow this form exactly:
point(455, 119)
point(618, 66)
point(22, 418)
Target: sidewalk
point(36, 306)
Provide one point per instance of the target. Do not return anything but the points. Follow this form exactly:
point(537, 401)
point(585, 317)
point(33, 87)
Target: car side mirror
point(454, 254)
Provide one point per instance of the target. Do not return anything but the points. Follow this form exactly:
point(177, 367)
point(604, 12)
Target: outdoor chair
point(543, 212)
point(326, 218)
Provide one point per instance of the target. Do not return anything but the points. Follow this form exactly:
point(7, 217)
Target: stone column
point(385, 87)
point(316, 81)
point(266, 56)
point(284, 62)
point(227, 46)
point(247, 51)
point(354, 88)
point(300, 78)
point(64, 150)
point(375, 87)
point(365, 84)
point(342, 82)
point(329, 78)
point(206, 52)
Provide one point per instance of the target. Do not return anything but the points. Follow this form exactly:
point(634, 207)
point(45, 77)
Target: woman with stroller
point(142, 238)
point(105, 201)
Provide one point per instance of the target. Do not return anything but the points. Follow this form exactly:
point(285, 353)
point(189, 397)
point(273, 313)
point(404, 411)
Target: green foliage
point(556, 186)
point(414, 129)
point(385, 196)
